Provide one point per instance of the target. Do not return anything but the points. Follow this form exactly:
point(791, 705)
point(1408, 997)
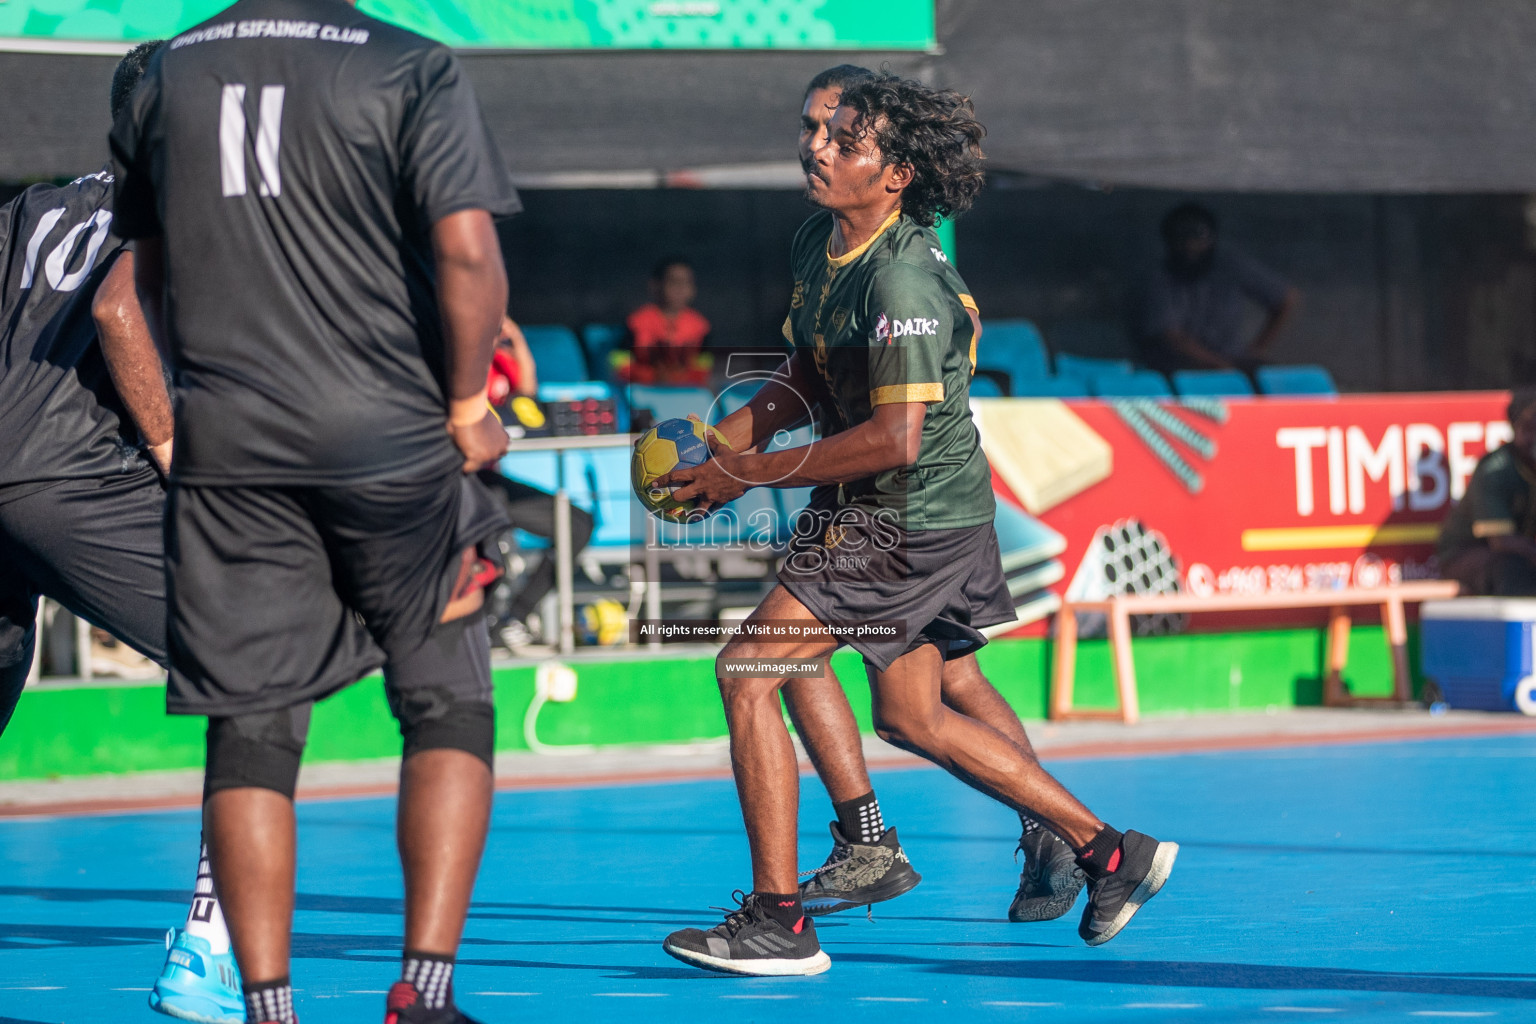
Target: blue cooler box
point(1478, 650)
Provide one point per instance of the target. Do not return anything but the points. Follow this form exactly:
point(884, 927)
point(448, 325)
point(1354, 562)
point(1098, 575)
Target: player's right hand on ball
point(482, 443)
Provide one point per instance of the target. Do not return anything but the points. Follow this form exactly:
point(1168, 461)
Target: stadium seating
point(1215, 383)
point(1296, 380)
point(1137, 384)
point(1015, 349)
point(1050, 387)
point(600, 340)
point(556, 353)
point(1090, 368)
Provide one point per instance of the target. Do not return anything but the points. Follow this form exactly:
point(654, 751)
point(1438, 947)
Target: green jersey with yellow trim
point(886, 323)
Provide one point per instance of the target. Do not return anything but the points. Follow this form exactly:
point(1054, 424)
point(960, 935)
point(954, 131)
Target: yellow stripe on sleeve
point(789, 334)
point(898, 394)
point(1485, 528)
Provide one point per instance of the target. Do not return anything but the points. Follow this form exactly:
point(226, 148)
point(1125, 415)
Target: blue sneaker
point(195, 984)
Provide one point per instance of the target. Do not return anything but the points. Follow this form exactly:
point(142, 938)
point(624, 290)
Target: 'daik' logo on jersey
point(917, 326)
point(883, 328)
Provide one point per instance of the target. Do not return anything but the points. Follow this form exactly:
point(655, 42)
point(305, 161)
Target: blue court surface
point(1380, 882)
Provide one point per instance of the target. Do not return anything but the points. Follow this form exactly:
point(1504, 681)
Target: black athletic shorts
point(96, 546)
point(283, 595)
point(854, 568)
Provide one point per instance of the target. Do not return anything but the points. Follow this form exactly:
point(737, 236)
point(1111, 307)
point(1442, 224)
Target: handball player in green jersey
point(867, 863)
point(903, 565)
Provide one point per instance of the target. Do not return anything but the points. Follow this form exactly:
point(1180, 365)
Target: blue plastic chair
point(1296, 380)
point(1140, 384)
point(600, 340)
point(556, 353)
point(1215, 383)
point(1014, 348)
point(1051, 387)
point(1090, 368)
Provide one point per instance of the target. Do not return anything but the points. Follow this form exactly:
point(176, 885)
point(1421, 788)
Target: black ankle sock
point(432, 974)
point(859, 819)
point(783, 907)
point(269, 1001)
point(1102, 854)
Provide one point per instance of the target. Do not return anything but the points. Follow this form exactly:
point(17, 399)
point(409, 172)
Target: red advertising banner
point(1214, 496)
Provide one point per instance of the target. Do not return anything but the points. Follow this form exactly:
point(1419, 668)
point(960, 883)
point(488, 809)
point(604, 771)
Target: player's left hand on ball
point(711, 482)
point(482, 443)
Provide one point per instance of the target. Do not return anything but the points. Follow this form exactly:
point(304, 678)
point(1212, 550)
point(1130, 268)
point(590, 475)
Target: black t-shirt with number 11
point(294, 154)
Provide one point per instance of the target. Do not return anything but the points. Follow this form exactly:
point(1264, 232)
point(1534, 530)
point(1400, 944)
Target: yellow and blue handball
point(601, 624)
point(669, 445)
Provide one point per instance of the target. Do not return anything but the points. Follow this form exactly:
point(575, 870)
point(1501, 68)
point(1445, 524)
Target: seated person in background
point(514, 375)
point(1488, 542)
point(664, 339)
point(1195, 313)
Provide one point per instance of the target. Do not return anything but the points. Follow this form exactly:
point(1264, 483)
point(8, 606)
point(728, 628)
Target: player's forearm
point(137, 370)
point(472, 295)
point(778, 405)
point(891, 439)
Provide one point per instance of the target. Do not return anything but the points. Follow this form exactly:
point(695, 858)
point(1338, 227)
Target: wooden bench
point(1118, 610)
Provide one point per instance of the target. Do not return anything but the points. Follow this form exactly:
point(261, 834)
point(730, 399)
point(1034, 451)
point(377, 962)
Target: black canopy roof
point(1306, 95)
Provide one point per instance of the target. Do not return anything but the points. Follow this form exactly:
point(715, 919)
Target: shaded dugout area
point(1381, 882)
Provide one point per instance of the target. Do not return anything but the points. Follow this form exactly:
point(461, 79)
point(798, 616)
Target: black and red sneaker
point(1138, 870)
point(749, 941)
point(403, 1005)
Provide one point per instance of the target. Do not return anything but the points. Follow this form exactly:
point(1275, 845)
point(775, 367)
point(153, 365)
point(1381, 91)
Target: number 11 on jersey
point(232, 139)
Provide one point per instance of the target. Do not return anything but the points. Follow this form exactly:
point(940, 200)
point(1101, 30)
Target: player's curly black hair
point(130, 70)
point(934, 131)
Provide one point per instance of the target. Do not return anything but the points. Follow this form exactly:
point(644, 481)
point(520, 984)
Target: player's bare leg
point(1049, 880)
point(866, 864)
point(768, 786)
point(445, 810)
point(1124, 869)
point(826, 726)
point(250, 834)
point(910, 715)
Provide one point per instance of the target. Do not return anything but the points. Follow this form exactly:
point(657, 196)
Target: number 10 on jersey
point(233, 135)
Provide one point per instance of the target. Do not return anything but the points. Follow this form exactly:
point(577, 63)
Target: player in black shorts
point(867, 864)
point(907, 555)
point(312, 191)
point(86, 419)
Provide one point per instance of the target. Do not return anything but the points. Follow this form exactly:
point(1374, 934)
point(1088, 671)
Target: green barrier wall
point(635, 699)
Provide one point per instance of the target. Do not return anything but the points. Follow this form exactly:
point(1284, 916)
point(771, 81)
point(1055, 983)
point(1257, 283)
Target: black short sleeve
point(448, 160)
point(135, 213)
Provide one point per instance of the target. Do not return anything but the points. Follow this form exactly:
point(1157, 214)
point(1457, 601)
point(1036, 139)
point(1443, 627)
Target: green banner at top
point(529, 24)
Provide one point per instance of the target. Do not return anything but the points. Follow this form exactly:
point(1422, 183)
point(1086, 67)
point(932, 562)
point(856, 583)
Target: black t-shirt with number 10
point(294, 154)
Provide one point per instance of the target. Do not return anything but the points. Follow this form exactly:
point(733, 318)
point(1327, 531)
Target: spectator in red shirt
point(664, 341)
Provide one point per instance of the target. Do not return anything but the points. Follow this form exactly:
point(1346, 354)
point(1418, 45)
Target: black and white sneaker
point(1113, 900)
point(1050, 880)
point(858, 874)
point(749, 941)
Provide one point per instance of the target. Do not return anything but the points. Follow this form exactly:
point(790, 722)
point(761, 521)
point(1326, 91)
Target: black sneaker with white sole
point(1050, 880)
point(749, 941)
point(858, 874)
point(1113, 900)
